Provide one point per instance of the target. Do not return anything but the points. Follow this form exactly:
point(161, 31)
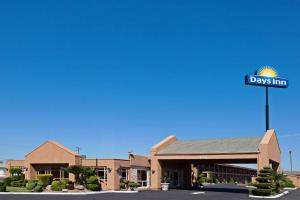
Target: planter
point(165, 186)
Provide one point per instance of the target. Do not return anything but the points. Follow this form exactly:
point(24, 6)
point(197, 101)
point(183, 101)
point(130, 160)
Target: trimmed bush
point(93, 187)
point(8, 180)
point(92, 180)
point(38, 188)
point(46, 179)
point(19, 183)
point(58, 185)
point(30, 185)
point(265, 182)
point(133, 185)
point(2, 187)
point(201, 179)
point(262, 192)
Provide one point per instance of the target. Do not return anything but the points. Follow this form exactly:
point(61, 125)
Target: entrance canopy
point(262, 151)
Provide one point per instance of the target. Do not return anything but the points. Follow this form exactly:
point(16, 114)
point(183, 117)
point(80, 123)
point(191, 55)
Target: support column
point(194, 174)
point(155, 174)
point(262, 160)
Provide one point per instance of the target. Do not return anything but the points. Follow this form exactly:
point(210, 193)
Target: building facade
point(180, 161)
point(52, 157)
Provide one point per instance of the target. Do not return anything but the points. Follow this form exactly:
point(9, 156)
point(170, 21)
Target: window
point(44, 170)
point(142, 178)
point(102, 173)
point(57, 172)
point(124, 173)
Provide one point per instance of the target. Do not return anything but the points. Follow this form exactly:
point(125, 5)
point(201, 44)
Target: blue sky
point(114, 76)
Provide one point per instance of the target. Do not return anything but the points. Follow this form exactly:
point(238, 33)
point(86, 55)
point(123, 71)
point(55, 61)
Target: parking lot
point(219, 192)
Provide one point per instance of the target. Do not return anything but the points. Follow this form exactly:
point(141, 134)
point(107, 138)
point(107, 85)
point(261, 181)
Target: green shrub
point(92, 180)
point(264, 183)
point(38, 188)
point(3, 188)
point(87, 172)
point(46, 179)
point(124, 184)
point(65, 181)
point(30, 185)
point(19, 183)
point(133, 185)
point(287, 183)
point(93, 187)
point(58, 185)
point(262, 192)
point(201, 179)
point(8, 180)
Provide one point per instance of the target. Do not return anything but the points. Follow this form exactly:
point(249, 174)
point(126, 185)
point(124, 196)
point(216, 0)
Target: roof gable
point(55, 144)
point(231, 145)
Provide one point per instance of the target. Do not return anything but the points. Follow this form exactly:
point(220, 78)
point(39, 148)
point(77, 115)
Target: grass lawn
point(17, 189)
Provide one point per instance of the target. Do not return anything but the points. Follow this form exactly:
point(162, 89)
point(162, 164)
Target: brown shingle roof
point(231, 145)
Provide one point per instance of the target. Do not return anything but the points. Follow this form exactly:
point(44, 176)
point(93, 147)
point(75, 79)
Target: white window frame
point(144, 183)
point(127, 173)
point(104, 170)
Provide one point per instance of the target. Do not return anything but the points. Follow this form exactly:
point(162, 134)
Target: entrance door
point(175, 178)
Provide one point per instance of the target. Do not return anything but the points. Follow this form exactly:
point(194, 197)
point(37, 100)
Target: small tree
point(278, 178)
point(264, 182)
point(15, 171)
point(77, 170)
point(281, 181)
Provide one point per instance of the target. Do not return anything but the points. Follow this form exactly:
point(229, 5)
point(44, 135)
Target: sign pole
point(267, 109)
point(267, 77)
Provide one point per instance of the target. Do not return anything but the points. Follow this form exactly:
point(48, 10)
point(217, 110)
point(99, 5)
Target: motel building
point(180, 161)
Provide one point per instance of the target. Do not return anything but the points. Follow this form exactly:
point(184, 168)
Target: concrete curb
point(67, 193)
point(270, 197)
point(290, 188)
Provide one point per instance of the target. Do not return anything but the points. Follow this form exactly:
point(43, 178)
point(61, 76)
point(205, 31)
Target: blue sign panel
point(266, 81)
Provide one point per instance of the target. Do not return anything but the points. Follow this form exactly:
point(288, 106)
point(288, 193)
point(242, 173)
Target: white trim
point(66, 193)
point(198, 193)
point(269, 197)
point(290, 188)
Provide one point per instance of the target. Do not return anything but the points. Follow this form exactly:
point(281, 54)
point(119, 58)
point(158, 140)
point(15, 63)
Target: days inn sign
point(266, 76)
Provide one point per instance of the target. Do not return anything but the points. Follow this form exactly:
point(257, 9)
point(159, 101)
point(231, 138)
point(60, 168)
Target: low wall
point(295, 179)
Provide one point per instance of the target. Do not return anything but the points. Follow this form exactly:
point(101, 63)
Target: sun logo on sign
point(267, 71)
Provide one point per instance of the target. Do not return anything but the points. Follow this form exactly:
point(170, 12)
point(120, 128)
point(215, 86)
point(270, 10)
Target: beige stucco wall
point(269, 151)
point(13, 163)
point(155, 163)
point(113, 176)
point(49, 153)
point(295, 179)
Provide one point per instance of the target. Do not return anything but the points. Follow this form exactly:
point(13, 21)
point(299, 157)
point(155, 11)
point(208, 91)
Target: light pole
point(291, 160)
point(267, 109)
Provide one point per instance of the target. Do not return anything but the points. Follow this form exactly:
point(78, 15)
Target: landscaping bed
point(86, 181)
